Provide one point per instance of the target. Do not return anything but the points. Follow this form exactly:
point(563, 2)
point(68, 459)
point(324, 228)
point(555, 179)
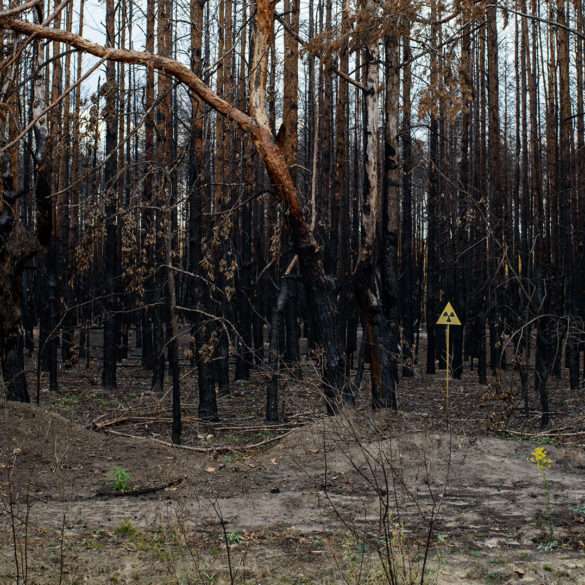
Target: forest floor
point(297, 503)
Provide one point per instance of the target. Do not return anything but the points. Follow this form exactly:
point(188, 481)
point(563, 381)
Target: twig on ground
point(217, 449)
point(546, 434)
point(100, 425)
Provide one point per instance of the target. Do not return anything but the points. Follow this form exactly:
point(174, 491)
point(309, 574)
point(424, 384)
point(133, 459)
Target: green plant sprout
point(234, 537)
point(121, 479)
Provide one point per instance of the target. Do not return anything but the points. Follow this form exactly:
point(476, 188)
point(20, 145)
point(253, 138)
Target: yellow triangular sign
point(448, 316)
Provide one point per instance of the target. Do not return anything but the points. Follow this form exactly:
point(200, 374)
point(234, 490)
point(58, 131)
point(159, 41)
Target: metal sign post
point(448, 317)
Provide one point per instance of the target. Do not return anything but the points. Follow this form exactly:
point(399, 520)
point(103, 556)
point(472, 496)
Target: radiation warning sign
point(448, 316)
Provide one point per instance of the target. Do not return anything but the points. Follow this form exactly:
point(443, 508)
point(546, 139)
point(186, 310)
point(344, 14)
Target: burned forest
point(292, 292)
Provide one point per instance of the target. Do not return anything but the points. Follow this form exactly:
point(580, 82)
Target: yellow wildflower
point(541, 458)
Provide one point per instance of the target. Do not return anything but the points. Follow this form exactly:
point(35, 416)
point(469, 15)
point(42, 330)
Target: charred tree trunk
point(273, 389)
point(110, 303)
point(372, 271)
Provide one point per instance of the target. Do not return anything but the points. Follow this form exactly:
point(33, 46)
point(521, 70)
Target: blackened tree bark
point(407, 273)
point(497, 244)
point(245, 289)
point(199, 288)
point(565, 187)
point(17, 245)
point(16, 248)
point(273, 389)
point(110, 303)
point(148, 216)
point(432, 304)
point(371, 286)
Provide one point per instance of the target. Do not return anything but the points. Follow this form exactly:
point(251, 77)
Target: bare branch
point(18, 9)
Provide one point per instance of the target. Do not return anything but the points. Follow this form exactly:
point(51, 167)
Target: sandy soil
point(304, 509)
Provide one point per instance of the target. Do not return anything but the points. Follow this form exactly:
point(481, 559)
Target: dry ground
point(304, 508)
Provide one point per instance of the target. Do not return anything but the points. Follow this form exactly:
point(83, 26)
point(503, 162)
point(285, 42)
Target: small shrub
point(121, 479)
point(395, 562)
point(234, 537)
point(126, 529)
